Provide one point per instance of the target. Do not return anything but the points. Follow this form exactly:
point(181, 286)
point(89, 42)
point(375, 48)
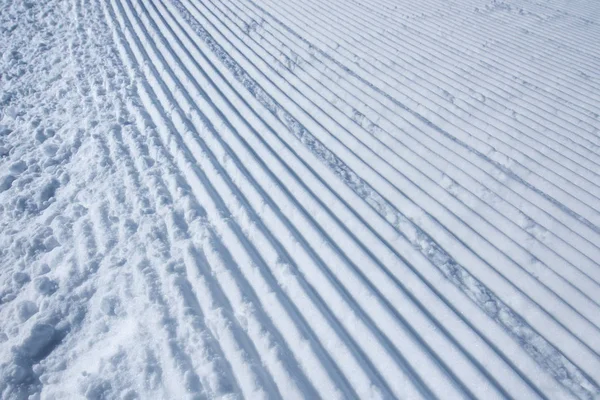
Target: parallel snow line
point(88, 250)
point(400, 43)
point(210, 308)
point(164, 199)
point(468, 53)
point(404, 135)
point(187, 299)
point(572, 42)
point(183, 357)
point(160, 57)
point(179, 97)
point(584, 18)
point(526, 259)
point(209, 290)
point(122, 155)
point(498, 81)
point(166, 326)
point(164, 204)
point(498, 74)
point(575, 47)
point(164, 208)
point(213, 259)
point(589, 8)
point(480, 242)
point(199, 28)
point(467, 50)
point(283, 318)
point(380, 355)
point(585, 264)
point(582, 183)
point(504, 172)
point(242, 364)
point(486, 150)
point(186, 321)
point(496, 27)
point(214, 314)
point(415, 51)
point(417, 33)
point(504, 61)
point(522, 163)
point(205, 367)
point(197, 318)
point(440, 175)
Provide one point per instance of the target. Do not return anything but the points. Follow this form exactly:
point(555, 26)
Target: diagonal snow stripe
point(283, 316)
point(297, 129)
point(311, 84)
point(260, 199)
point(266, 219)
point(378, 51)
point(396, 143)
point(187, 46)
point(190, 45)
point(526, 174)
point(409, 170)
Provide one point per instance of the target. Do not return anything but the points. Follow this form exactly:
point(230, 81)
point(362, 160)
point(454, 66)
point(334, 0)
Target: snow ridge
point(274, 199)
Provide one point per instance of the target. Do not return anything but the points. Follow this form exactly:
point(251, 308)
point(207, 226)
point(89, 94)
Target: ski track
point(320, 199)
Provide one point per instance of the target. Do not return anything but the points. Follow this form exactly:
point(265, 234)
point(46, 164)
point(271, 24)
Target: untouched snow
point(300, 199)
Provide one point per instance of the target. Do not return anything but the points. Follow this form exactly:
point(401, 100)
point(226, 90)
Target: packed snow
point(332, 199)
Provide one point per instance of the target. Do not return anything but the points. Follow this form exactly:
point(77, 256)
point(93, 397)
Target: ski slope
point(300, 199)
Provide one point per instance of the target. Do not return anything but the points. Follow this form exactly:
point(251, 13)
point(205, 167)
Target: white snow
point(282, 199)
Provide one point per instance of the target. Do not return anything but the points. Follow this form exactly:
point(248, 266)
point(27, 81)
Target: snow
point(318, 199)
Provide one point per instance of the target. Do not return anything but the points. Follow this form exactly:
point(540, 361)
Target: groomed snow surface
point(299, 199)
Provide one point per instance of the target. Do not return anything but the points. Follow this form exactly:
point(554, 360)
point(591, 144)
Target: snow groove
point(317, 199)
point(300, 130)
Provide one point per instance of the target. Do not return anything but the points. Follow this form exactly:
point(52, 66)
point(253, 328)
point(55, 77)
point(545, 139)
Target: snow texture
point(299, 199)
